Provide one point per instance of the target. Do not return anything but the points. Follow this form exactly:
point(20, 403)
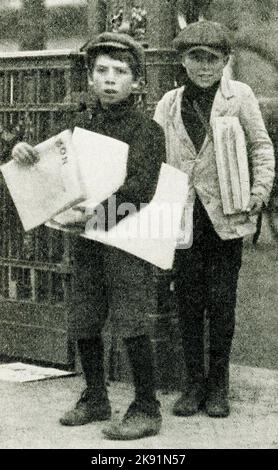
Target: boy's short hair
point(119, 46)
point(116, 54)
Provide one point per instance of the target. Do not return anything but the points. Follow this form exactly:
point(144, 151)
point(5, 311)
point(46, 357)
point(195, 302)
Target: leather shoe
point(217, 404)
point(137, 423)
point(90, 407)
point(190, 401)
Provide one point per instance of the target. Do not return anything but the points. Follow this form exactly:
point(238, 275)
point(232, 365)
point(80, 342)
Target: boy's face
point(203, 67)
point(112, 80)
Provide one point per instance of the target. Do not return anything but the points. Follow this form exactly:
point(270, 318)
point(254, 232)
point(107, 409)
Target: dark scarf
point(191, 120)
point(117, 120)
point(113, 111)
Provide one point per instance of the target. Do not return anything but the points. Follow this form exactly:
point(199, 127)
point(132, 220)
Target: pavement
point(30, 414)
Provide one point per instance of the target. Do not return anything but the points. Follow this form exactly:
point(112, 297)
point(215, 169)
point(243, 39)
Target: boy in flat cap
point(207, 273)
point(115, 64)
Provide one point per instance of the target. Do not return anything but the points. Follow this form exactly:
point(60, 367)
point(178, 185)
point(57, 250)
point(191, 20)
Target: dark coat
point(146, 148)
point(107, 278)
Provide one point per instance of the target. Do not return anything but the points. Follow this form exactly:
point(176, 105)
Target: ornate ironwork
point(134, 21)
point(117, 20)
point(138, 22)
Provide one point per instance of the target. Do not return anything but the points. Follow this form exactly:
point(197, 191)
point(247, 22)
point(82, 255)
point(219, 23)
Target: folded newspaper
point(73, 167)
point(153, 233)
point(84, 169)
point(232, 164)
point(49, 186)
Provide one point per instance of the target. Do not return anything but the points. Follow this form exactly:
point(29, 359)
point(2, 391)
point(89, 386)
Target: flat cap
point(204, 34)
point(120, 41)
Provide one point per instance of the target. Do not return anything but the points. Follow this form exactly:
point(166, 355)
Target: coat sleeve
point(260, 147)
point(146, 154)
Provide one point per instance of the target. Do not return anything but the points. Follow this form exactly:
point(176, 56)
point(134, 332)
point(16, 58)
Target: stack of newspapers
point(232, 164)
point(83, 168)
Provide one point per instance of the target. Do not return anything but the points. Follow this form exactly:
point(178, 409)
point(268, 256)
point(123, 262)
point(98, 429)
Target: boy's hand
point(73, 217)
point(25, 154)
point(81, 215)
point(255, 205)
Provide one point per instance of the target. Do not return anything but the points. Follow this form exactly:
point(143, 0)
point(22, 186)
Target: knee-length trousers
point(109, 283)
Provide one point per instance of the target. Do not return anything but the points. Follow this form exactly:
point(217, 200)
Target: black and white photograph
point(138, 228)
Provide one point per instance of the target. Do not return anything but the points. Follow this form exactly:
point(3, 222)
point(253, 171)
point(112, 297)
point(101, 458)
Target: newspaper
point(232, 164)
point(154, 232)
point(51, 185)
point(102, 161)
point(73, 167)
point(85, 168)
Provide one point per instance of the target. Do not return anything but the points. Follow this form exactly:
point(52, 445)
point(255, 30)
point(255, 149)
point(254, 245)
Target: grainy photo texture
point(138, 226)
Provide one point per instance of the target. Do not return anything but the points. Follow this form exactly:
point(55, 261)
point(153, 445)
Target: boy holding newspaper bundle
point(115, 64)
point(203, 122)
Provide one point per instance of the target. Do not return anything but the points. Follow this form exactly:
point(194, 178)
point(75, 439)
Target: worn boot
point(217, 402)
point(143, 416)
point(93, 404)
point(191, 400)
point(141, 420)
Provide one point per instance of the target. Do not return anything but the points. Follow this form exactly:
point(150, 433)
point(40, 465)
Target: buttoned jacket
point(233, 98)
